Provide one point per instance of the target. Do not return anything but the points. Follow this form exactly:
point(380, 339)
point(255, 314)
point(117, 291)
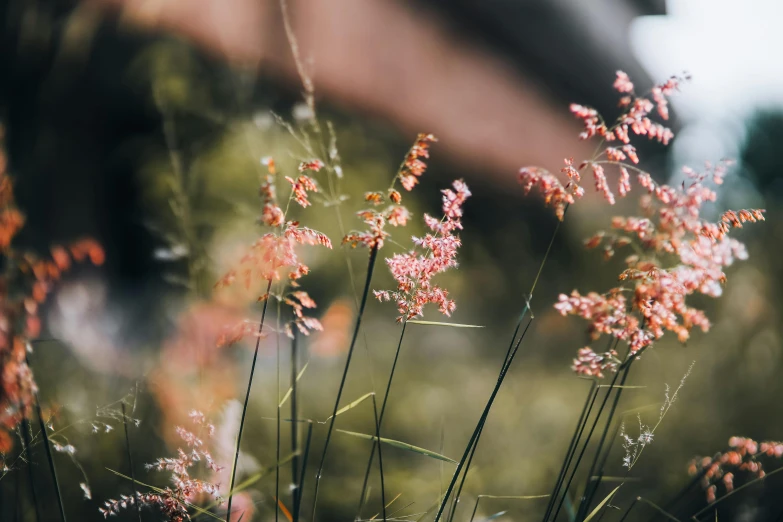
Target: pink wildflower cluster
point(677, 253)
point(25, 282)
point(394, 213)
point(304, 183)
point(414, 270)
point(274, 256)
point(413, 167)
point(741, 459)
point(273, 253)
point(634, 120)
point(174, 501)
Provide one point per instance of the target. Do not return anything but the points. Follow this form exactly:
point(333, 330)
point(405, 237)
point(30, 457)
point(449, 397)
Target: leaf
point(291, 389)
point(350, 406)
point(401, 445)
point(601, 505)
point(437, 323)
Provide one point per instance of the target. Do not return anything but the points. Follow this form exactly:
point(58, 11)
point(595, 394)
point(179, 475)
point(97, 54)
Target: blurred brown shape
point(391, 60)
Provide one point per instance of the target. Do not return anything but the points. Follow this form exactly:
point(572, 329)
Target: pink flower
point(300, 187)
point(414, 270)
point(623, 83)
point(174, 501)
point(413, 167)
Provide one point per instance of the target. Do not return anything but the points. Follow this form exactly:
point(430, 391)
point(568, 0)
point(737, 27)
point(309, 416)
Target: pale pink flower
point(434, 253)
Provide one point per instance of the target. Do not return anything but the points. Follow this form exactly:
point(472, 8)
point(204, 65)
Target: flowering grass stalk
point(49, 458)
point(676, 253)
point(357, 326)
point(244, 408)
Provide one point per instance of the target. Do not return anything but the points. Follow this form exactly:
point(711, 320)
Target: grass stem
point(130, 461)
point(50, 458)
point(244, 406)
point(357, 327)
point(380, 419)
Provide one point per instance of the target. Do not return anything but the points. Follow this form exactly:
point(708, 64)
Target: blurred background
point(141, 123)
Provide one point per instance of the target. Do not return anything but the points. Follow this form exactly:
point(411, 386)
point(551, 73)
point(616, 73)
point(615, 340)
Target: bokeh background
point(141, 123)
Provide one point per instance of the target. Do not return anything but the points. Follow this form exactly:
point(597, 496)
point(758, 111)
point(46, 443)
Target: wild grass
point(659, 272)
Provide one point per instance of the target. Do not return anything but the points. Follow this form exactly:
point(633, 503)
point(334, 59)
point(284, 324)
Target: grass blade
point(600, 506)
point(49, 457)
point(291, 389)
point(438, 323)
point(244, 406)
point(401, 445)
point(349, 406)
point(357, 327)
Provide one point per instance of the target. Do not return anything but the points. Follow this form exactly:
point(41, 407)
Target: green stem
point(357, 327)
point(244, 407)
point(380, 418)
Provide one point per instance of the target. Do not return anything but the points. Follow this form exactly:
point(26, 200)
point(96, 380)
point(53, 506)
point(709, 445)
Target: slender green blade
point(350, 406)
point(291, 389)
point(401, 445)
point(600, 506)
point(437, 323)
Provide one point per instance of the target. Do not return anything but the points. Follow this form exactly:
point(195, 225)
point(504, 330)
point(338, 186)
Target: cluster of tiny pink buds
point(298, 301)
point(273, 253)
point(271, 215)
point(555, 193)
point(590, 364)
point(742, 459)
point(394, 214)
point(274, 256)
point(414, 270)
point(413, 167)
point(677, 253)
point(300, 187)
point(174, 501)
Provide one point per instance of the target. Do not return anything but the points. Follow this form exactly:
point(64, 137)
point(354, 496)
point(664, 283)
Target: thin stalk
point(357, 327)
point(28, 449)
point(294, 425)
point(277, 411)
point(480, 424)
point(380, 419)
point(50, 458)
point(464, 476)
point(580, 426)
point(455, 501)
point(244, 407)
point(630, 508)
point(588, 498)
point(380, 454)
point(475, 508)
point(585, 444)
point(130, 462)
point(302, 475)
point(511, 348)
point(685, 490)
point(507, 363)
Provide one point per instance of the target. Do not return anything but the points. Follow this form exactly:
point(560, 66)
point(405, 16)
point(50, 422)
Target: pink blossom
point(414, 270)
